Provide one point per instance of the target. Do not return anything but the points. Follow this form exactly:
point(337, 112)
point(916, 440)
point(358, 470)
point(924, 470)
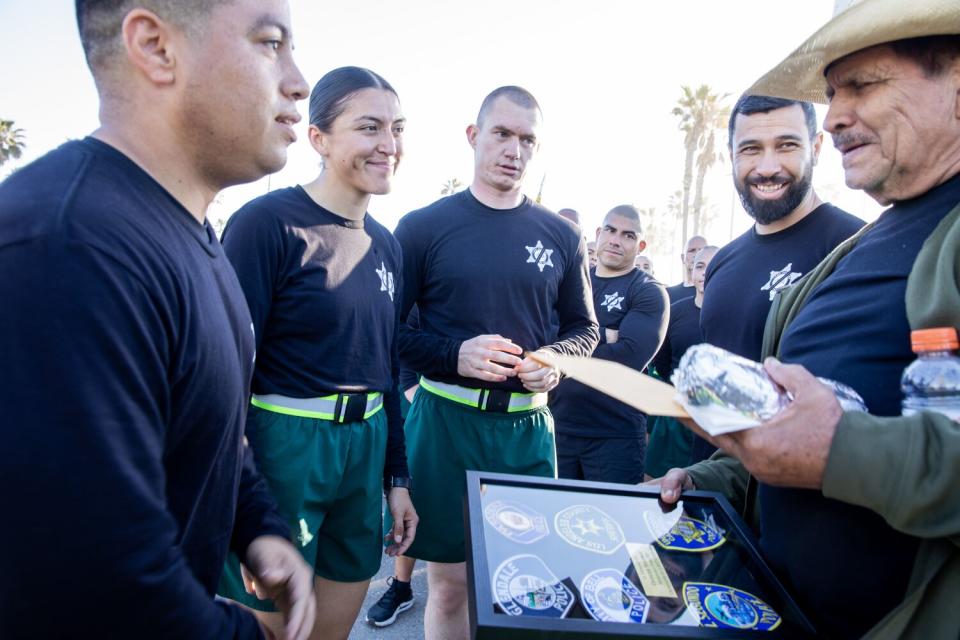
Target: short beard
point(768, 211)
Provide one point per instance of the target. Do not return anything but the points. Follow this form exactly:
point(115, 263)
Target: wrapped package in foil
point(723, 392)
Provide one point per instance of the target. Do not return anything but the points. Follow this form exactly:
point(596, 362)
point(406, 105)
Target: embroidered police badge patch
point(524, 586)
point(516, 521)
point(609, 596)
point(688, 534)
point(589, 528)
point(723, 607)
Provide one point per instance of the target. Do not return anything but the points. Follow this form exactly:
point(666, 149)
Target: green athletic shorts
point(327, 479)
point(670, 446)
point(444, 439)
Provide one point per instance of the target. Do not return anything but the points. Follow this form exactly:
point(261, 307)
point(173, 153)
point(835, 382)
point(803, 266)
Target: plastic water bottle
point(932, 381)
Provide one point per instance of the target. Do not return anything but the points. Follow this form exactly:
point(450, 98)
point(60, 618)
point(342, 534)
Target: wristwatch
point(401, 482)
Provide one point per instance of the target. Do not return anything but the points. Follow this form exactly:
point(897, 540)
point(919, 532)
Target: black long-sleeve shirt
point(853, 328)
point(324, 293)
point(125, 363)
point(636, 306)
point(475, 270)
point(746, 274)
point(683, 332)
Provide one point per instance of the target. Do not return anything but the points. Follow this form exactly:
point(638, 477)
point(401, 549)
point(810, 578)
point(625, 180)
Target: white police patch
point(524, 586)
point(516, 521)
point(609, 596)
point(587, 527)
point(723, 607)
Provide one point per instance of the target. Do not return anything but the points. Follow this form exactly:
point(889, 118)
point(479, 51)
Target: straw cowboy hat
point(855, 25)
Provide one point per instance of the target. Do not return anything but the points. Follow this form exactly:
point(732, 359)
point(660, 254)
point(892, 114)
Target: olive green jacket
point(905, 469)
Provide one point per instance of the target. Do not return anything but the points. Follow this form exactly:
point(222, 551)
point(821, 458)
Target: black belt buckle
point(355, 410)
point(496, 400)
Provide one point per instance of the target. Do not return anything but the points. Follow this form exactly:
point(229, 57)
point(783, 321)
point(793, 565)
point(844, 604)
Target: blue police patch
point(524, 586)
point(609, 596)
point(690, 534)
point(516, 521)
point(587, 527)
point(723, 607)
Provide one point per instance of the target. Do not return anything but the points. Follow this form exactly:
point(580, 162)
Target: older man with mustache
point(845, 500)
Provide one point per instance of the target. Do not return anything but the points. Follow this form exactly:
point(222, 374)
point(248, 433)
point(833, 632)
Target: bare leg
point(403, 568)
point(445, 617)
point(338, 604)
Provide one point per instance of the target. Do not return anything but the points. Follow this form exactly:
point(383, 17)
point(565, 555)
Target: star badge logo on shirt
point(386, 280)
point(540, 256)
point(612, 301)
point(780, 280)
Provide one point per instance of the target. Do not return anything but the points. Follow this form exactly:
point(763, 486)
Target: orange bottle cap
point(938, 339)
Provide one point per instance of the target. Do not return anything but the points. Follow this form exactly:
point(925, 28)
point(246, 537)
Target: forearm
point(633, 348)
point(426, 353)
point(395, 463)
point(724, 474)
point(578, 340)
point(641, 330)
point(907, 469)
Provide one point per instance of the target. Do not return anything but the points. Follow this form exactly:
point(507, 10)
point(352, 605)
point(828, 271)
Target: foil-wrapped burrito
point(723, 392)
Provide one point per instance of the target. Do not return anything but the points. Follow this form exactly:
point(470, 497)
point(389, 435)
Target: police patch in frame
point(524, 586)
point(516, 521)
point(609, 596)
point(587, 527)
point(723, 607)
point(688, 534)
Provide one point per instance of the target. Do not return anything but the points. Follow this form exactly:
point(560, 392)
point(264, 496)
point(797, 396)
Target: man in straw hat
point(858, 512)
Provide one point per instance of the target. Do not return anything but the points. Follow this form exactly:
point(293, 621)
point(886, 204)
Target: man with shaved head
point(571, 215)
point(494, 276)
point(128, 358)
point(684, 288)
point(599, 438)
point(644, 263)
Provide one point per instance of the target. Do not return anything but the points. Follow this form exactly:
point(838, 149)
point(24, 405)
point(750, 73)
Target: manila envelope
point(627, 385)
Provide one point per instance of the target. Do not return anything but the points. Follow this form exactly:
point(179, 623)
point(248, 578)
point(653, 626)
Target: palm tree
point(11, 141)
point(699, 112)
point(450, 187)
point(707, 157)
point(658, 231)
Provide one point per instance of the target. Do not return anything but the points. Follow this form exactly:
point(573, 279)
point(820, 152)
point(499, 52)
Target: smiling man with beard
point(774, 144)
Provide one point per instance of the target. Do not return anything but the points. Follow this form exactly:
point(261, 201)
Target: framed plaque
point(560, 558)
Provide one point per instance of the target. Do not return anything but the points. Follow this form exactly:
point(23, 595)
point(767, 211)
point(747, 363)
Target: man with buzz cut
point(599, 438)
point(858, 511)
point(127, 343)
point(571, 215)
point(685, 289)
point(493, 274)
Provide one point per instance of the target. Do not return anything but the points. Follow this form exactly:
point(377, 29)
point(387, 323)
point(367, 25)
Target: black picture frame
point(485, 622)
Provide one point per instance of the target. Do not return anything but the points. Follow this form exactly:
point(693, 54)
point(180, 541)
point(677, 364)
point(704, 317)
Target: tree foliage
point(450, 187)
point(12, 141)
point(701, 113)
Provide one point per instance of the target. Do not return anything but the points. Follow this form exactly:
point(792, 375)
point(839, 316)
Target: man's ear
point(642, 245)
point(817, 145)
point(472, 132)
point(149, 46)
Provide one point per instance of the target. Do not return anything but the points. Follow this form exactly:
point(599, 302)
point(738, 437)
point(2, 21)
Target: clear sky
point(607, 74)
